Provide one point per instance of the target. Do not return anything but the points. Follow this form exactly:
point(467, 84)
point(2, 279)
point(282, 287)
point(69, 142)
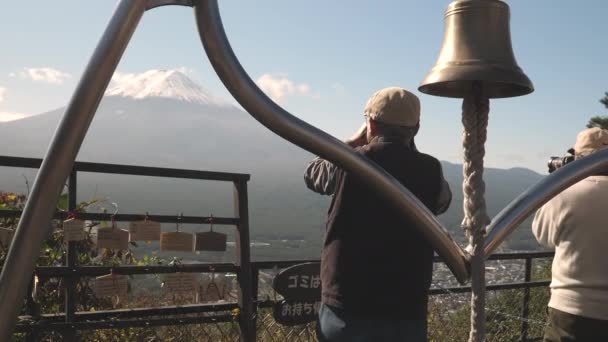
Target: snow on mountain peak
point(172, 84)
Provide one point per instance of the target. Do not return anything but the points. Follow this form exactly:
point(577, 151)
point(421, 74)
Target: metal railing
point(69, 321)
point(151, 317)
point(251, 299)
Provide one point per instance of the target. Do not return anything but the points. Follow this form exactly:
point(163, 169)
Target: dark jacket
point(374, 263)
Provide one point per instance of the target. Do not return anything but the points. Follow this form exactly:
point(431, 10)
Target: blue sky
point(334, 54)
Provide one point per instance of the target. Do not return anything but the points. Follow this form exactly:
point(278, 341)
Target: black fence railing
point(248, 303)
point(70, 321)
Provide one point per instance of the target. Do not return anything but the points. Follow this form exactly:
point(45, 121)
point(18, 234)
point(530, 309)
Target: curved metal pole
point(527, 203)
point(158, 3)
point(35, 220)
point(263, 109)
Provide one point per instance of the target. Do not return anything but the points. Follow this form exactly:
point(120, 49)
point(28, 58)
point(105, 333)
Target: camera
point(557, 162)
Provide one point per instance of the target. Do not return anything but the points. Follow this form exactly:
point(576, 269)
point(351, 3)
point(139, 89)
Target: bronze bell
point(477, 49)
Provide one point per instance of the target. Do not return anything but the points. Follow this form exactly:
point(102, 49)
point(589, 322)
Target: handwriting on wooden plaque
point(176, 241)
point(73, 230)
point(6, 236)
point(111, 285)
point(210, 241)
point(181, 283)
point(214, 288)
point(144, 231)
point(112, 238)
point(295, 312)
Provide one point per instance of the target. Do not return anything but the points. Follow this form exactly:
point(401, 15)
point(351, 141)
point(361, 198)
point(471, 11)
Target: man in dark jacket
point(376, 267)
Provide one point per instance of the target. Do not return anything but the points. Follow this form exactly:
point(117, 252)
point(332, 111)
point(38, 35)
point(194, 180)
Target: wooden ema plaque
point(144, 231)
point(181, 283)
point(211, 241)
point(111, 285)
point(112, 238)
point(176, 241)
point(214, 289)
point(73, 230)
point(6, 236)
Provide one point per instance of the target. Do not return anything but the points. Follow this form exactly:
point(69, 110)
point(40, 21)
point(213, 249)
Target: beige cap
point(591, 140)
point(394, 106)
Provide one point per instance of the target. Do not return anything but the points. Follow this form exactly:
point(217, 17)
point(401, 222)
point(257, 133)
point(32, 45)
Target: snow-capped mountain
point(162, 83)
point(163, 118)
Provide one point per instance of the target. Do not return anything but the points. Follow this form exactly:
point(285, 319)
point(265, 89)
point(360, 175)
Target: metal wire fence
point(516, 304)
point(516, 310)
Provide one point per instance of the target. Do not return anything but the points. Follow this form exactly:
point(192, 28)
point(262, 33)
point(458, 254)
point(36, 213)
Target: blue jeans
point(336, 326)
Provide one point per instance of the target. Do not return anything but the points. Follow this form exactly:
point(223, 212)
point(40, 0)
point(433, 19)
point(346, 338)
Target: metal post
point(59, 160)
point(32, 310)
point(71, 259)
point(243, 250)
point(255, 280)
point(525, 310)
point(526, 204)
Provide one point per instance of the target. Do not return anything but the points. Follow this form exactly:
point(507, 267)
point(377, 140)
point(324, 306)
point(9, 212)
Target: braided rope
point(475, 109)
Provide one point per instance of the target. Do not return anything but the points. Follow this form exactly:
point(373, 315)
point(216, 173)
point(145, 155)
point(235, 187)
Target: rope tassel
point(475, 109)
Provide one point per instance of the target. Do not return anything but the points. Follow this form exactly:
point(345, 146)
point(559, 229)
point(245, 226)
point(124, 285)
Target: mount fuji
point(160, 118)
point(170, 84)
point(163, 118)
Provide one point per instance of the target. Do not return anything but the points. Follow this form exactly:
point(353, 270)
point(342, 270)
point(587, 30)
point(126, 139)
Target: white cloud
point(2, 92)
point(12, 74)
point(279, 87)
point(48, 75)
point(8, 116)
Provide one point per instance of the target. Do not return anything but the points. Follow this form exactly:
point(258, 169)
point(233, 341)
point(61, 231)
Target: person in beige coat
point(575, 223)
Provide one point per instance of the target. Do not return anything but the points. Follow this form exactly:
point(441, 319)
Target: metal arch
point(308, 137)
point(59, 159)
point(526, 204)
point(72, 129)
point(158, 3)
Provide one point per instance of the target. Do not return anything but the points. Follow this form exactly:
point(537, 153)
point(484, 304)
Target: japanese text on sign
point(300, 309)
point(304, 281)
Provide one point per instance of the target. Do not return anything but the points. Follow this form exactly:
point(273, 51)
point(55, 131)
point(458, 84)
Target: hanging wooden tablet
point(211, 241)
point(215, 289)
point(176, 241)
point(111, 285)
point(181, 283)
point(73, 230)
point(112, 238)
point(6, 236)
point(144, 231)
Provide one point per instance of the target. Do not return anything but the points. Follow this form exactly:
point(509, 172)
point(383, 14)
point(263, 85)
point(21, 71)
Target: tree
point(600, 121)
